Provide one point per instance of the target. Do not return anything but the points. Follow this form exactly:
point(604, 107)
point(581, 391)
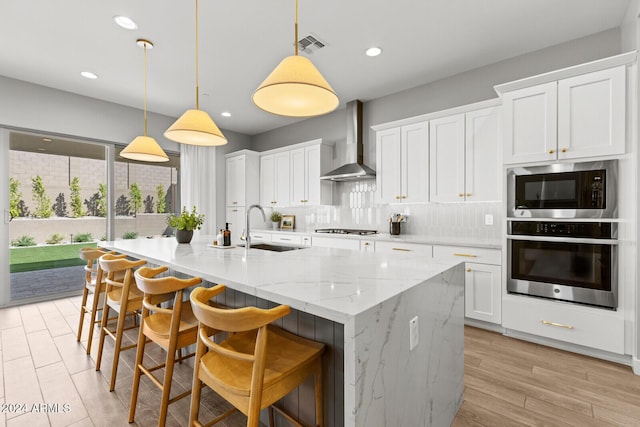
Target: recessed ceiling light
point(226, 114)
point(89, 75)
point(125, 22)
point(373, 51)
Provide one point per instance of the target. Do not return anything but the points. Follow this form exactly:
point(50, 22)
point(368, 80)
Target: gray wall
point(465, 88)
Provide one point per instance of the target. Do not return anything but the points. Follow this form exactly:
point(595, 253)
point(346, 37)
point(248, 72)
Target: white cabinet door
point(298, 177)
point(414, 151)
point(388, 165)
point(274, 180)
point(333, 242)
point(401, 247)
point(483, 296)
point(235, 176)
point(446, 167)
point(591, 114)
point(483, 165)
point(267, 180)
point(235, 218)
point(530, 124)
point(317, 162)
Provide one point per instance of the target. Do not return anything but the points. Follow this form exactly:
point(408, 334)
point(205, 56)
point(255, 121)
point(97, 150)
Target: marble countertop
point(405, 238)
point(335, 284)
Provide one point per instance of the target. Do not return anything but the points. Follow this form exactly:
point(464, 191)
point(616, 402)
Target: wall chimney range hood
point(354, 169)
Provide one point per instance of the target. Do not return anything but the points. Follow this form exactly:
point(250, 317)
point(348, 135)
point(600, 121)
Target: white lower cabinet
point(483, 280)
point(288, 239)
point(259, 236)
point(590, 327)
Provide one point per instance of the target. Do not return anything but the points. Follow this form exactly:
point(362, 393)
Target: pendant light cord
point(145, 88)
point(295, 42)
point(197, 87)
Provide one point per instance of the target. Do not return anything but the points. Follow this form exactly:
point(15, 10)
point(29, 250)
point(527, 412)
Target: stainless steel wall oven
point(570, 261)
point(562, 232)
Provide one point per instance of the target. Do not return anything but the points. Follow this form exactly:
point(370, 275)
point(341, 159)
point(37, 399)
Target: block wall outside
point(58, 171)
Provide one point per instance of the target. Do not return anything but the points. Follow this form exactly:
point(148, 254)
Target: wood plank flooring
point(507, 382)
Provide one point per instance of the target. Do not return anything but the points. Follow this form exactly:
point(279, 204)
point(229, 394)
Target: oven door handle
point(610, 242)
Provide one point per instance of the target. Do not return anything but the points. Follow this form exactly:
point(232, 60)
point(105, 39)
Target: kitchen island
point(366, 301)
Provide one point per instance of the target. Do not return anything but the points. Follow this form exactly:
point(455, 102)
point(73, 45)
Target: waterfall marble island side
point(371, 298)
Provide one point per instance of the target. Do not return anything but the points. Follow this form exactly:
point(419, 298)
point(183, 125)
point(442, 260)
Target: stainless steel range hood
point(354, 169)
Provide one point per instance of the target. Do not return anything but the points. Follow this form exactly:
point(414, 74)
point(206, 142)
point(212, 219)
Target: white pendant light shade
point(195, 127)
point(144, 149)
point(295, 88)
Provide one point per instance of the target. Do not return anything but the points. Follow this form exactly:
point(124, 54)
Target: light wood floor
point(507, 382)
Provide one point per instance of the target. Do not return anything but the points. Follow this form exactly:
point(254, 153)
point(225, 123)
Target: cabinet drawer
point(287, 238)
point(367, 246)
point(404, 247)
point(260, 237)
point(462, 253)
point(330, 242)
point(590, 327)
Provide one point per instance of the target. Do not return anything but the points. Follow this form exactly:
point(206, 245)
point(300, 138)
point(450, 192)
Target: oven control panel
point(592, 230)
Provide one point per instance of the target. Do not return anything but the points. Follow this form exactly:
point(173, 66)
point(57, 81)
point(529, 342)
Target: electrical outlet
point(488, 219)
point(413, 333)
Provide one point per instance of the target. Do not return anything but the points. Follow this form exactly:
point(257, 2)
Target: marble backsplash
point(354, 207)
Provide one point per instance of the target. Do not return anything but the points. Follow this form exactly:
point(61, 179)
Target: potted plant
point(275, 218)
point(185, 223)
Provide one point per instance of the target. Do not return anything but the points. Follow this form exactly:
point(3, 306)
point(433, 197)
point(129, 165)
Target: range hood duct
point(354, 169)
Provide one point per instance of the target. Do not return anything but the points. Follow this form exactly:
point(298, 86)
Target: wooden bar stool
point(122, 296)
point(170, 328)
point(93, 275)
point(256, 365)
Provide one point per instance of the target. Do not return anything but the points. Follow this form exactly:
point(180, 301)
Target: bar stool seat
point(171, 328)
point(256, 365)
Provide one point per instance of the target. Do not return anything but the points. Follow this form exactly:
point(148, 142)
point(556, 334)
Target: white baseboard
point(484, 325)
point(635, 364)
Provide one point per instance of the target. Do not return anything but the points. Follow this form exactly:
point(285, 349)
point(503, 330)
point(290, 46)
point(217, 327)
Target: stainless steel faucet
point(247, 230)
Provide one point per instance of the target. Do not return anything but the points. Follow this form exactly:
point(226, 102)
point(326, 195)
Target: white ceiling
point(49, 42)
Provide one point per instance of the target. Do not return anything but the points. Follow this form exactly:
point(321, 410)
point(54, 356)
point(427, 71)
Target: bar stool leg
point(168, 376)
point(94, 312)
point(196, 387)
point(103, 326)
point(85, 294)
point(116, 354)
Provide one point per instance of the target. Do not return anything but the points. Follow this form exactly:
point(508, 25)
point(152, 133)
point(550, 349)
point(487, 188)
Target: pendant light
point(195, 127)
point(295, 88)
point(144, 148)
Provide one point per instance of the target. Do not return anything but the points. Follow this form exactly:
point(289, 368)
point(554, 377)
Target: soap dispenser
point(220, 238)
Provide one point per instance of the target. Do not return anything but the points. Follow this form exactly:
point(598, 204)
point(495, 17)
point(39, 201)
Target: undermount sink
point(275, 248)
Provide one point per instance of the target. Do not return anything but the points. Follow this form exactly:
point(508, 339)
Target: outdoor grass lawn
point(44, 257)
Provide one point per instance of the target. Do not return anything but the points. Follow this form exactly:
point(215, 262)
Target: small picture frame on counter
point(288, 222)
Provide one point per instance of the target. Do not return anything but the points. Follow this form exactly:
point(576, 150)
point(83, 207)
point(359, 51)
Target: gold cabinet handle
point(366, 243)
point(401, 249)
point(551, 151)
point(468, 270)
point(234, 210)
point(460, 195)
point(466, 255)
point(468, 194)
point(397, 197)
point(559, 325)
point(234, 203)
point(564, 150)
point(404, 197)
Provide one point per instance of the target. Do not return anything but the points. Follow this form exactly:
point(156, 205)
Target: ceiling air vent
point(310, 44)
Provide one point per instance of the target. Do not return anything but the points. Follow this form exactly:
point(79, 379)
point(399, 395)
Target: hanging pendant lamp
point(144, 148)
point(195, 127)
point(295, 88)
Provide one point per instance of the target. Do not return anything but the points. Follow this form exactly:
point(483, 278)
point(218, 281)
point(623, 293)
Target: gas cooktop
point(345, 231)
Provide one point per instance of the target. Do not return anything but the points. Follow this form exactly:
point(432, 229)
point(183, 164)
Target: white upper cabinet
point(446, 168)
point(402, 160)
point(308, 164)
point(591, 114)
point(274, 179)
point(242, 178)
point(291, 176)
point(464, 157)
point(582, 116)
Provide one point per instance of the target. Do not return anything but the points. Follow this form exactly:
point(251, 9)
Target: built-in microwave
point(563, 190)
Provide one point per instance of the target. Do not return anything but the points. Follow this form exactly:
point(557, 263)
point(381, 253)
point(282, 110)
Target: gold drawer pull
point(466, 255)
point(401, 249)
point(397, 197)
point(404, 197)
point(460, 195)
point(234, 203)
point(564, 150)
point(560, 325)
point(366, 243)
point(551, 151)
point(468, 270)
point(468, 194)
